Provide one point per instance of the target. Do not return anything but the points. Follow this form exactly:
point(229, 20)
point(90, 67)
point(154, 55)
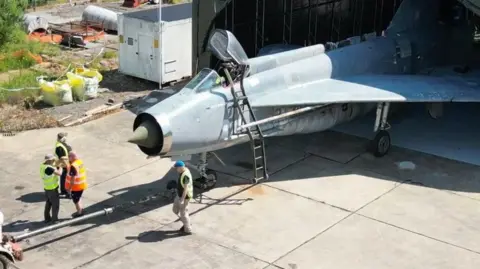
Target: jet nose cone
point(146, 135)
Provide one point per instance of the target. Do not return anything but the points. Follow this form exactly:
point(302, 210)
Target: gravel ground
point(115, 87)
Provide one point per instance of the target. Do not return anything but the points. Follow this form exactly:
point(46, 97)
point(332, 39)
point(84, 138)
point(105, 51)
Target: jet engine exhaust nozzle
point(148, 135)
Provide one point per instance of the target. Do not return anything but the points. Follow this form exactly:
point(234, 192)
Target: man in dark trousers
point(61, 150)
point(50, 175)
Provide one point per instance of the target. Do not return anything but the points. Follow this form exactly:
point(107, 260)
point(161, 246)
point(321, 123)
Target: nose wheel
point(381, 144)
point(206, 182)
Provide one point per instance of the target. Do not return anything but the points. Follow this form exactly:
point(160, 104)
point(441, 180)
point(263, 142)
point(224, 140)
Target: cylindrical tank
point(33, 23)
point(101, 15)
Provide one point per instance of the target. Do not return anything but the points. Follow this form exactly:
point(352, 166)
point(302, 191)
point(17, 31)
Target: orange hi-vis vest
point(80, 180)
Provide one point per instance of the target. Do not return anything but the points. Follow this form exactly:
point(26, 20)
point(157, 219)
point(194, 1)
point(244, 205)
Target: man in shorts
point(76, 182)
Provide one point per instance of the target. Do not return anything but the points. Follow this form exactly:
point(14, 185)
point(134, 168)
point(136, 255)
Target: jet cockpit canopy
point(205, 80)
point(225, 46)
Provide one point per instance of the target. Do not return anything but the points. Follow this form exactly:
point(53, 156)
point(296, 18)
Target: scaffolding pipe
point(103, 212)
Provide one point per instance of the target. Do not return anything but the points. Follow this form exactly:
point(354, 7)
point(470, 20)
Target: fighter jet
point(311, 89)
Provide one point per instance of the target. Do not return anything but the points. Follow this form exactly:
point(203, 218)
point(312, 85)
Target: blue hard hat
point(179, 164)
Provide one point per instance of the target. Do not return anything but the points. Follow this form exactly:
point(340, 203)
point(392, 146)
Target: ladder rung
point(241, 97)
point(259, 168)
point(258, 147)
point(259, 178)
point(258, 158)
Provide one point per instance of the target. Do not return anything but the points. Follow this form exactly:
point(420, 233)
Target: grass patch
point(110, 54)
point(24, 80)
point(19, 42)
point(14, 63)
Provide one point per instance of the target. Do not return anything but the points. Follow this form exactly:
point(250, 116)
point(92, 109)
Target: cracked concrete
point(323, 206)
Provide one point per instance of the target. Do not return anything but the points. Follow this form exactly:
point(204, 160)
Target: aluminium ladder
point(254, 132)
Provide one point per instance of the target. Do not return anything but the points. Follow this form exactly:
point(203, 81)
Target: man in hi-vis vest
point(50, 176)
point(184, 194)
point(61, 150)
point(76, 182)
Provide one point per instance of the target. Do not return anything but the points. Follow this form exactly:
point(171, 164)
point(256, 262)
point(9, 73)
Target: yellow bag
point(89, 73)
point(78, 86)
point(79, 79)
point(55, 93)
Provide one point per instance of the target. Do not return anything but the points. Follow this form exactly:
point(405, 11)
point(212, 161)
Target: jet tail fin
point(413, 13)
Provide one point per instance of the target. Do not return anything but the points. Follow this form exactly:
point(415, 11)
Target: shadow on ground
point(130, 202)
point(118, 82)
point(31, 198)
point(155, 236)
point(431, 171)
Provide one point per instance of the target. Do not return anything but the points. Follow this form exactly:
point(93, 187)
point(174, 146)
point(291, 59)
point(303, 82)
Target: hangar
point(258, 23)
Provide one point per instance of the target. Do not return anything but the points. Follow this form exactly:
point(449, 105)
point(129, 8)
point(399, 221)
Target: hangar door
point(257, 23)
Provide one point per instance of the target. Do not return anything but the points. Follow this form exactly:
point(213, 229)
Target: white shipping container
point(154, 50)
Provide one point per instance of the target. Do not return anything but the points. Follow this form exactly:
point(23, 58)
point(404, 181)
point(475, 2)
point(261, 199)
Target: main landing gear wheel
point(207, 182)
point(381, 144)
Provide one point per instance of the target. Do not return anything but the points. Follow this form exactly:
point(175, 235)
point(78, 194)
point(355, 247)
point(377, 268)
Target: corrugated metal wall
point(257, 23)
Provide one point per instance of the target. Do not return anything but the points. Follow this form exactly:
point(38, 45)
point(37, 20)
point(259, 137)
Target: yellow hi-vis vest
point(80, 179)
point(190, 183)
point(49, 182)
point(60, 144)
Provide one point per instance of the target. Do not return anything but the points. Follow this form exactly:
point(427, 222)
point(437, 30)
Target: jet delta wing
point(374, 88)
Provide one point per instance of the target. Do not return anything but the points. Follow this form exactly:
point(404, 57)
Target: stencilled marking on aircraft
point(282, 110)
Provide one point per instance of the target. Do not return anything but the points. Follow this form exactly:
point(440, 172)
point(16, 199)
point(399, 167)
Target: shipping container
point(159, 51)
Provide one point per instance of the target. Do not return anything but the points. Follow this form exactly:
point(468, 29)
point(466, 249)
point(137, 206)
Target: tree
point(11, 19)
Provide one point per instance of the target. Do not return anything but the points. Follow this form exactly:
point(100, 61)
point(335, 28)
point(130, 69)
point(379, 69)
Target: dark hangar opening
point(258, 23)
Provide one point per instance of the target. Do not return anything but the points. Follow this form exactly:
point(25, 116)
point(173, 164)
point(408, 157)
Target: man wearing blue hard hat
point(184, 194)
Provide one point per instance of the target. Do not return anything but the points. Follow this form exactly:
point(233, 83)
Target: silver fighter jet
point(312, 89)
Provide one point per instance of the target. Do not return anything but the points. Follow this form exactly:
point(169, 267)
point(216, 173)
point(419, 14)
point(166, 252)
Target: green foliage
point(13, 63)
point(11, 19)
point(110, 54)
point(25, 79)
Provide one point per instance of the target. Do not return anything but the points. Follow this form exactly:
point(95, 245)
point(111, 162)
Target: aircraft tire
point(210, 180)
point(381, 144)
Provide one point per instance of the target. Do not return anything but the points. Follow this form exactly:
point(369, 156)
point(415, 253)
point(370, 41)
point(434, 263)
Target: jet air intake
point(150, 136)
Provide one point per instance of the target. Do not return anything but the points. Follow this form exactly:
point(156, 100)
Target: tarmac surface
point(327, 204)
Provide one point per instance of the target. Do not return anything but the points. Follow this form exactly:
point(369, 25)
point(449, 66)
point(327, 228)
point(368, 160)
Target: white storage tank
point(34, 23)
point(101, 15)
point(159, 51)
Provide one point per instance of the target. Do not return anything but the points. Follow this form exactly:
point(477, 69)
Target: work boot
point(186, 233)
point(182, 230)
point(76, 214)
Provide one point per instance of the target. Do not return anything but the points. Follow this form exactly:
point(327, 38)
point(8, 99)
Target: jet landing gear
point(208, 177)
point(380, 145)
point(206, 181)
